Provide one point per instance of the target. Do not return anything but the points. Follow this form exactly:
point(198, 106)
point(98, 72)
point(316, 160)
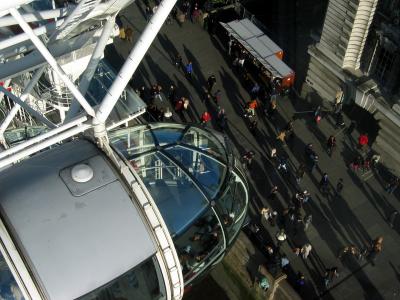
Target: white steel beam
point(52, 62)
point(23, 97)
point(43, 136)
point(132, 61)
point(14, 3)
point(28, 108)
point(37, 16)
point(19, 38)
point(44, 144)
point(87, 76)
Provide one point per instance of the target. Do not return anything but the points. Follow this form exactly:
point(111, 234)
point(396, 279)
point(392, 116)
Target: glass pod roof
point(183, 167)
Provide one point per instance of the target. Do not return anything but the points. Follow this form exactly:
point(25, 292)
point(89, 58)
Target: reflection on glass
point(9, 288)
point(18, 135)
point(167, 135)
point(232, 205)
point(200, 139)
point(183, 176)
point(241, 201)
point(200, 244)
point(132, 142)
point(178, 199)
point(129, 102)
point(207, 171)
point(143, 282)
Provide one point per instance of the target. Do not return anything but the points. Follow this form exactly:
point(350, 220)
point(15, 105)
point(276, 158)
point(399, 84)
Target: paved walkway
point(358, 216)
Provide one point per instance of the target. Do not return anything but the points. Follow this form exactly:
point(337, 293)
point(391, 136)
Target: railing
point(154, 219)
point(55, 94)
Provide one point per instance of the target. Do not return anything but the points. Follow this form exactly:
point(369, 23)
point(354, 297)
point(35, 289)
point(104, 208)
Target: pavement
point(358, 216)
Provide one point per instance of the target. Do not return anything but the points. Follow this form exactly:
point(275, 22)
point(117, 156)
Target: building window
point(384, 65)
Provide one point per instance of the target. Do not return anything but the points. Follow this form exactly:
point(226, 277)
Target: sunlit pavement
point(358, 216)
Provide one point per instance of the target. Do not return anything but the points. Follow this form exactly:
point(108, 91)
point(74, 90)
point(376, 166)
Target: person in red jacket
point(363, 141)
point(205, 117)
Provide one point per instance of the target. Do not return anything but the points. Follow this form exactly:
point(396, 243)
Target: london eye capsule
point(142, 220)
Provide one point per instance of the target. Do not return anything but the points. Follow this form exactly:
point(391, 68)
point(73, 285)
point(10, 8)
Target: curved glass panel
point(183, 176)
point(18, 135)
point(143, 282)
point(207, 171)
point(131, 142)
point(241, 200)
point(205, 141)
point(9, 288)
point(232, 205)
point(200, 245)
point(167, 135)
point(178, 199)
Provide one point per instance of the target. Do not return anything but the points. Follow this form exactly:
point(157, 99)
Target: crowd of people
point(293, 219)
point(168, 103)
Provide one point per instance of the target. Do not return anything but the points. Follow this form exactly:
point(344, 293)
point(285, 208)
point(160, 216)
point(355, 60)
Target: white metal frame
point(115, 91)
point(93, 63)
point(133, 60)
point(52, 62)
point(17, 267)
point(168, 257)
point(27, 107)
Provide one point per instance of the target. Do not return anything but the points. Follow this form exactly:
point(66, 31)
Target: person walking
point(217, 97)
point(179, 108)
point(323, 184)
point(331, 144)
point(306, 196)
point(300, 281)
point(157, 92)
point(339, 187)
point(255, 90)
point(247, 158)
point(305, 250)
point(178, 61)
point(289, 129)
point(154, 10)
point(221, 118)
point(272, 195)
point(281, 236)
point(129, 34)
point(205, 117)
point(271, 110)
point(363, 141)
point(377, 248)
point(330, 275)
point(307, 221)
point(149, 13)
point(211, 82)
point(167, 114)
point(266, 213)
point(172, 93)
point(317, 114)
point(300, 172)
point(350, 249)
point(281, 137)
point(393, 185)
point(189, 70)
point(253, 124)
point(284, 262)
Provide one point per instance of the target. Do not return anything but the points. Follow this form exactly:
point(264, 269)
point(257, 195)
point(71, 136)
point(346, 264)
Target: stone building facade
point(359, 52)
